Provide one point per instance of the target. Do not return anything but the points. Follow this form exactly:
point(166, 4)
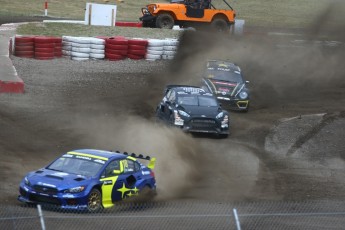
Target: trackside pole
point(46, 8)
point(40, 214)
point(237, 221)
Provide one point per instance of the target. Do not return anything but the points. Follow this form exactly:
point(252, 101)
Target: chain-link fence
point(182, 215)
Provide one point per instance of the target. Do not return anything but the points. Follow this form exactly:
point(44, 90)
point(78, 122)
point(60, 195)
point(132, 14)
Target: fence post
point(40, 214)
point(237, 221)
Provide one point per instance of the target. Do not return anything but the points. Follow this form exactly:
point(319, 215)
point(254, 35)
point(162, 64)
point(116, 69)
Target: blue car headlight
point(220, 115)
point(26, 181)
point(243, 95)
point(183, 113)
point(75, 189)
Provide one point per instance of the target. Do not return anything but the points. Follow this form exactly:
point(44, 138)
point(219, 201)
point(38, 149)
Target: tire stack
point(137, 48)
point(58, 47)
point(44, 48)
point(24, 46)
point(170, 48)
point(80, 48)
point(66, 46)
point(116, 48)
point(155, 49)
point(97, 48)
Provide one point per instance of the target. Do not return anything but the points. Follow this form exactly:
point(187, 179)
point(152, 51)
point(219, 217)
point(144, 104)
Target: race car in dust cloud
point(89, 179)
point(225, 80)
point(193, 110)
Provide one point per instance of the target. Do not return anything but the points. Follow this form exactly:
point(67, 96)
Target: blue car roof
point(101, 153)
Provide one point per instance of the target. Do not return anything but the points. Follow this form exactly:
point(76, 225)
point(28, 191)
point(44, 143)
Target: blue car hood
point(55, 179)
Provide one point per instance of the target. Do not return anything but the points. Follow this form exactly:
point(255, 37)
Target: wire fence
point(181, 215)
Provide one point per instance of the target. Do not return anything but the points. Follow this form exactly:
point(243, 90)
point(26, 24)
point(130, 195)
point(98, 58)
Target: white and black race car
point(225, 80)
point(193, 110)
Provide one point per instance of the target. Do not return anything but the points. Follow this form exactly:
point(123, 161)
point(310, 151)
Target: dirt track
point(70, 105)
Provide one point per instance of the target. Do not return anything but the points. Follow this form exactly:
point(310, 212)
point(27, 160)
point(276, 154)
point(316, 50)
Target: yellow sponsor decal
point(132, 191)
point(88, 155)
point(107, 188)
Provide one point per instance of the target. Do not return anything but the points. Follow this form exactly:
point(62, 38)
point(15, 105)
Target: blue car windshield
point(197, 100)
point(76, 166)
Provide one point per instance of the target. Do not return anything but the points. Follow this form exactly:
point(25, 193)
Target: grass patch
point(267, 13)
point(60, 29)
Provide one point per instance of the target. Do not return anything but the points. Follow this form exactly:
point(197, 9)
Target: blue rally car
point(89, 179)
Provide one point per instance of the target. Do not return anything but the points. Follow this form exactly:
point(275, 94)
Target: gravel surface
point(109, 105)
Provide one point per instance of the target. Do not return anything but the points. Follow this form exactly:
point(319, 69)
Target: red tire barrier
point(24, 46)
point(116, 41)
point(135, 57)
point(116, 47)
point(25, 54)
point(45, 47)
point(114, 57)
point(129, 24)
point(139, 42)
point(136, 47)
point(137, 52)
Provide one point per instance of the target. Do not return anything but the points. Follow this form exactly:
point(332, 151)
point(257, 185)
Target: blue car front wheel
point(94, 201)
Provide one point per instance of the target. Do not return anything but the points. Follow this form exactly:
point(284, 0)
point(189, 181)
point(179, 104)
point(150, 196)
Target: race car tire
point(118, 52)
point(24, 44)
point(44, 55)
point(44, 40)
point(94, 201)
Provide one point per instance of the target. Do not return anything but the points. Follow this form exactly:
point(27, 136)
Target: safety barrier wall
point(96, 48)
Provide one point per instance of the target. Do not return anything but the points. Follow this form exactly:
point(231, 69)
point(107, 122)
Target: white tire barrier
point(81, 50)
point(81, 55)
point(96, 56)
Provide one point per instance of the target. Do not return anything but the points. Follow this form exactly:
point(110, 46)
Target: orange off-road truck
point(187, 13)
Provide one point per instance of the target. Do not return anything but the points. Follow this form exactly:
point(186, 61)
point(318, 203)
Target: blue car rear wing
point(152, 160)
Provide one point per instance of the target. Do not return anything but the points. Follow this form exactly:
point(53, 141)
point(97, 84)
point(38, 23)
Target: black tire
point(165, 21)
point(94, 201)
point(220, 25)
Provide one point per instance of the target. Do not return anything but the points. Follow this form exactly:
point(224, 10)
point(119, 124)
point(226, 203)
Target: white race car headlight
point(225, 121)
point(243, 95)
point(75, 189)
point(26, 181)
point(183, 113)
point(220, 115)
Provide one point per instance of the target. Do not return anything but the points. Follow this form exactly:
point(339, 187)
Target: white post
point(46, 8)
point(40, 214)
point(238, 226)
